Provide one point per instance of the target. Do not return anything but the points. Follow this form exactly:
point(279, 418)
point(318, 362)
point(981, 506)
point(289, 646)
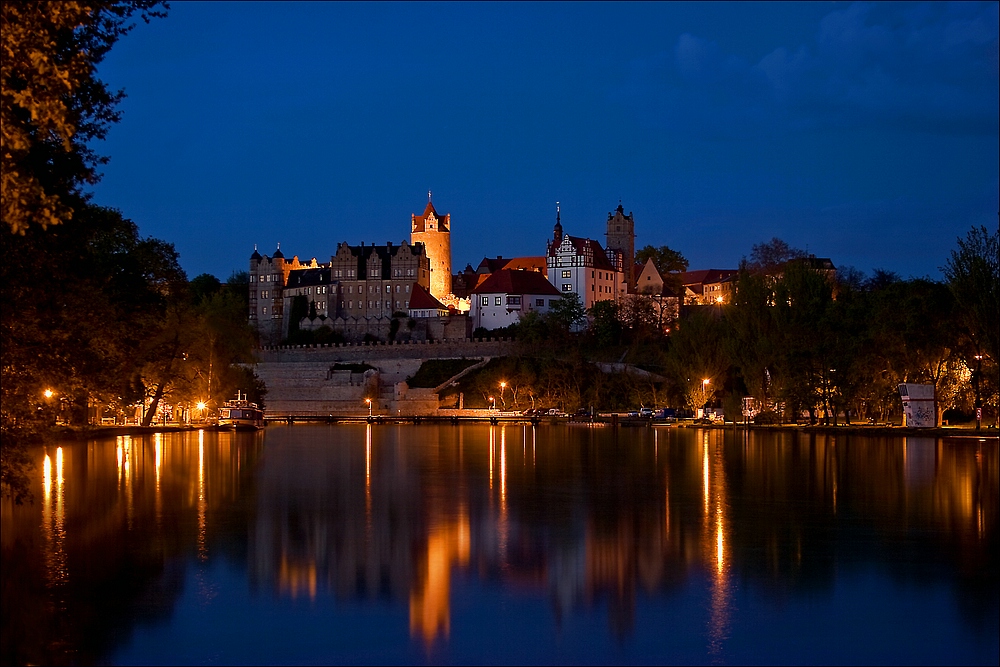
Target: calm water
point(393, 543)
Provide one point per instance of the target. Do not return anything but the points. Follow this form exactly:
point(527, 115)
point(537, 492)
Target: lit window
point(265, 310)
point(513, 301)
point(498, 301)
point(485, 301)
point(540, 303)
point(567, 287)
point(567, 274)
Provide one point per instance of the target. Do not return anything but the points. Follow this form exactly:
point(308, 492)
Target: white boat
point(240, 413)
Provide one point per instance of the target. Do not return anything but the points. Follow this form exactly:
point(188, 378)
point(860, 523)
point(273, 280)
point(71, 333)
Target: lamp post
point(369, 402)
point(493, 404)
point(704, 394)
point(503, 385)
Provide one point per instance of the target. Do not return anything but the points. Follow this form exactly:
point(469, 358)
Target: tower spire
point(557, 230)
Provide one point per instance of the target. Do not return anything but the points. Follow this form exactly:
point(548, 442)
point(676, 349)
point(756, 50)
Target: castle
point(362, 288)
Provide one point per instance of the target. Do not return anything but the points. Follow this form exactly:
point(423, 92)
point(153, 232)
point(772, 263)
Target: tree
point(53, 104)
point(697, 354)
point(605, 325)
point(568, 312)
point(771, 255)
point(79, 302)
point(666, 259)
point(973, 273)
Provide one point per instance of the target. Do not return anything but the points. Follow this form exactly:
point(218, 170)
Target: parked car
point(633, 413)
point(555, 412)
point(646, 412)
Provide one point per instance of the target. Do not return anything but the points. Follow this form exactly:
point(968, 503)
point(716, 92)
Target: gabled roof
point(489, 265)
point(420, 221)
point(421, 299)
point(508, 281)
point(582, 247)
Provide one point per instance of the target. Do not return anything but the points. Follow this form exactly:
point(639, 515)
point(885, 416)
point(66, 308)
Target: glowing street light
point(48, 393)
point(369, 402)
point(493, 403)
point(503, 385)
point(704, 393)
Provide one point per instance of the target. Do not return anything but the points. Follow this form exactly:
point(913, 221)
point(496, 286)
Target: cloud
point(930, 67)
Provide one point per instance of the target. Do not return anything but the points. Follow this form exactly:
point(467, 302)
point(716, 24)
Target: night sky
point(867, 133)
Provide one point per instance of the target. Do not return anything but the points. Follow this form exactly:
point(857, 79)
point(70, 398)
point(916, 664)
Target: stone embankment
point(302, 380)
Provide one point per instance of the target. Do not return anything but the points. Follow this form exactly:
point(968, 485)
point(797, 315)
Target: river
point(395, 543)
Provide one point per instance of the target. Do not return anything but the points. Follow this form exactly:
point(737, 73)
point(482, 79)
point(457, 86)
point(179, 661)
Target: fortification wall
point(367, 352)
point(301, 380)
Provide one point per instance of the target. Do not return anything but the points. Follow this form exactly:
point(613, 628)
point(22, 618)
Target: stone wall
point(301, 381)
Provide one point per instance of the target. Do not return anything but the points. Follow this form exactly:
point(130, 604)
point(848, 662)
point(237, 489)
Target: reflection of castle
point(392, 513)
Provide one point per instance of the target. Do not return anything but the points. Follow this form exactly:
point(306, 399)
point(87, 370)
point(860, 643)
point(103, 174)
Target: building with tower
point(621, 240)
point(434, 233)
point(582, 266)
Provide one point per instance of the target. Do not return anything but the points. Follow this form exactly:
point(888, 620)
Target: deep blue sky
point(867, 133)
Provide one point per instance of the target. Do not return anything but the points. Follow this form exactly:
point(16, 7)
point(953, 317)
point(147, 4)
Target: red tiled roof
point(536, 264)
point(508, 281)
point(421, 299)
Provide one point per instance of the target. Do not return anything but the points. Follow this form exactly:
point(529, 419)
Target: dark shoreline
point(81, 433)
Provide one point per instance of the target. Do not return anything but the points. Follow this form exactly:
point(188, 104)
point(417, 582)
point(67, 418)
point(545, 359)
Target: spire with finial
point(557, 231)
point(428, 196)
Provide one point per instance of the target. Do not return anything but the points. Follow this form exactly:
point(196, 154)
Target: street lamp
point(493, 403)
point(704, 393)
point(503, 385)
point(48, 393)
point(369, 402)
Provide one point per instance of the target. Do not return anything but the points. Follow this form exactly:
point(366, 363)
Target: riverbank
point(962, 431)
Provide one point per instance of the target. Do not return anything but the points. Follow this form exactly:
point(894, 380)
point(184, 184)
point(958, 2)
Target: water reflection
point(595, 521)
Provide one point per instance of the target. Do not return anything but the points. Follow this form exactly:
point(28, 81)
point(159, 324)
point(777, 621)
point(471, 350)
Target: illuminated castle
point(434, 232)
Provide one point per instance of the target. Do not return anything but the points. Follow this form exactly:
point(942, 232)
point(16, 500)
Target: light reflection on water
point(679, 539)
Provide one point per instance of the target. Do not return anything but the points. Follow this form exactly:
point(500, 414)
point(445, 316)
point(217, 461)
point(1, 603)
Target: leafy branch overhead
point(53, 104)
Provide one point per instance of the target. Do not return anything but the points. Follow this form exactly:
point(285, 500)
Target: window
point(406, 304)
point(485, 301)
point(265, 310)
point(513, 301)
point(253, 278)
point(350, 303)
point(498, 301)
point(338, 273)
point(369, 304)
point(567, 287)
point(388, 305)
point(388, 289)
point(263, 294)
point(567, 274)
point(397, 289)
point(540, 303)
point(407, 289)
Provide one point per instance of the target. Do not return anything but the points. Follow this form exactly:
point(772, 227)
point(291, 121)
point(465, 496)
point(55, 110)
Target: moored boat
point(240, 413)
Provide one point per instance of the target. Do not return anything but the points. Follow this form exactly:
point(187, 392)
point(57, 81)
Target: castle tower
point(621, 239)
point(434, 232)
